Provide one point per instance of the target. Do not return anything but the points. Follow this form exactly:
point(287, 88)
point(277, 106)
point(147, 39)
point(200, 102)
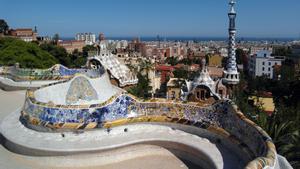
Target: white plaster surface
point(99, 140)
point(10, 101)
point(132, 157)
point(57, 93)
point(25, 84)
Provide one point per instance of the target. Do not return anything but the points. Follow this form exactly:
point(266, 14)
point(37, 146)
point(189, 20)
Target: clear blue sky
point(198, 18)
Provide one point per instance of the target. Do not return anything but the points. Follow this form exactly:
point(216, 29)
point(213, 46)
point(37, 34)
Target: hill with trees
point(28, 55)
point(45, 55)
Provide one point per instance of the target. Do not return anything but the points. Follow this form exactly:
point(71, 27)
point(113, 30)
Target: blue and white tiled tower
point(231, 74)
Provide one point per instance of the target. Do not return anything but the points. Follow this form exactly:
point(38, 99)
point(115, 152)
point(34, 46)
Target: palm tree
point(285, 136)
point(146, 66)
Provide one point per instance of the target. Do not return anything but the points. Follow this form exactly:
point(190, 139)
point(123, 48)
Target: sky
point(167, 18)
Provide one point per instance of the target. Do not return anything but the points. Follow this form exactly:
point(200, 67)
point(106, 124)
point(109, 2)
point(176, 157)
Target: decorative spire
point(231, 72)
point(203, 65)
point(232, 3)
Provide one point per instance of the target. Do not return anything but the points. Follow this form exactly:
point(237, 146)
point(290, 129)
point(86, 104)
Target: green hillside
point(28, 55)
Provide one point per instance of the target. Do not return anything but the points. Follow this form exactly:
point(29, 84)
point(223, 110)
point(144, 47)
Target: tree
point(3, 26)
point(143, 88)
point(241, 57)
point(56, 38)
point(186, 61)
point(224, 61)
point(284, 135)
point(79, 62)
point(86, 49)
point(282, 51)
point(172, 60)
point(76, 54)
point(146, 66)
point(207, 57)
point(76, 59)
point(59, 53)
point(287, 70)
point(181, 73)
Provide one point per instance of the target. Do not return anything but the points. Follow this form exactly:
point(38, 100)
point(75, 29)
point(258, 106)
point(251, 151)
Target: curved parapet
point(186, 146)
point(221, 118)
point(15, 78)
point(8, 84)
point(56, 72)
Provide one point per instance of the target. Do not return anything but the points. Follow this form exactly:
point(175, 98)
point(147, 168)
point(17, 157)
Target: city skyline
point(128, 18)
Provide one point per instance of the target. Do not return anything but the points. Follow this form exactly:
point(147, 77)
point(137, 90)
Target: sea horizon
point(189, 38)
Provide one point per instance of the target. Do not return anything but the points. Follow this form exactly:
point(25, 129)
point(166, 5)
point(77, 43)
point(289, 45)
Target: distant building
point(215, 60)
point(123, 44)
point(155, 80)
point(165, 72)
point(44, 38)
point(255, 49)
point(101, 37)
point(174, 51)
point(262, 64)
point(223, 52)
point(296, 49)
point(137, 46)
point(88, 38)
point(190, 44)
point(174, 89)
point(215, 72)
point(196, 54)
point(26, 34)
point(71, 45)
point(266, 103)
